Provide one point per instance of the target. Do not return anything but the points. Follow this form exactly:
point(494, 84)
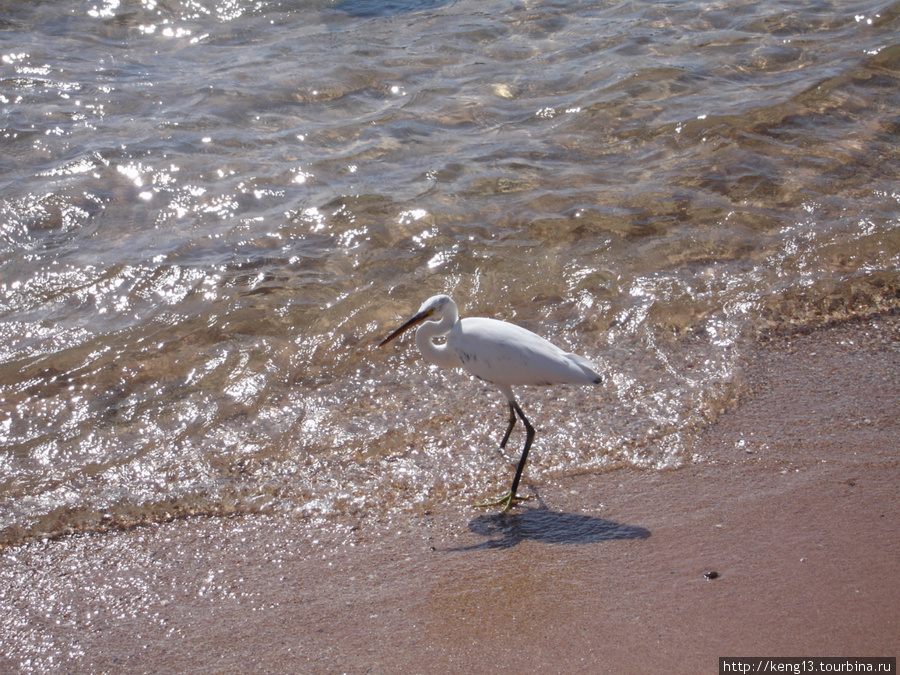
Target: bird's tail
point(588, 368)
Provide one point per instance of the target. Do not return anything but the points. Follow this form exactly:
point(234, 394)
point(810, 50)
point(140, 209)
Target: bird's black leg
point(512, 423)
point(510, 498)
point(529, 430)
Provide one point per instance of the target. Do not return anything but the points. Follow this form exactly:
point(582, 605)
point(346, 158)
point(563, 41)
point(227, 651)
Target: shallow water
point(211, 212)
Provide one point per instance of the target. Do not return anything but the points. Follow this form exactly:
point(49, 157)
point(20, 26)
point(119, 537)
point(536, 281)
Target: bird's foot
point(506, 501)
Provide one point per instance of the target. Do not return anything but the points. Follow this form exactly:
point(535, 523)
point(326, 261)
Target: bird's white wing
point(504, 353)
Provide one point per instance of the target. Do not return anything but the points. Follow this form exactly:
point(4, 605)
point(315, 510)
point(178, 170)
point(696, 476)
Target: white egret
point(497, 352)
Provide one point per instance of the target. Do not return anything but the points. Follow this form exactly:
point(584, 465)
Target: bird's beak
point(412, 323)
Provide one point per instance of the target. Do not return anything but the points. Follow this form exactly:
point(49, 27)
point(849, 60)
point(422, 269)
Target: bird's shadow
point(507, 530)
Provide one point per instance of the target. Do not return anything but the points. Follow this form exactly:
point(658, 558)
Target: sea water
point(211, 212)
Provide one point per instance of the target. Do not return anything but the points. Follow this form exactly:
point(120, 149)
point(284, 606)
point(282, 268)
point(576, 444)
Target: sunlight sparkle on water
point(610, 198)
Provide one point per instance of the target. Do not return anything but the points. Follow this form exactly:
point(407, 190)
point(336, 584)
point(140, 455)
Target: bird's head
point(435, 305)
point(432, 309)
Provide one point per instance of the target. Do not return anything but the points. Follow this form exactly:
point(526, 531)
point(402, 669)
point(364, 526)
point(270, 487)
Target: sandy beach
point(782, 537)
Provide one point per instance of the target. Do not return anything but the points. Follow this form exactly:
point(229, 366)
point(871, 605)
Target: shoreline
point(793, 501)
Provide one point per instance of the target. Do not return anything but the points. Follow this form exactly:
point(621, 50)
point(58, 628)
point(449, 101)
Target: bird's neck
point(438, 354)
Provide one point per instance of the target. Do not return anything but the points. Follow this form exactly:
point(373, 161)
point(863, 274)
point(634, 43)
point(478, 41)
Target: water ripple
point(210, 214)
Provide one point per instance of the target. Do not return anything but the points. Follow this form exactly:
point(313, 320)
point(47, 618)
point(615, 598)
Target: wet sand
point(793, 501)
